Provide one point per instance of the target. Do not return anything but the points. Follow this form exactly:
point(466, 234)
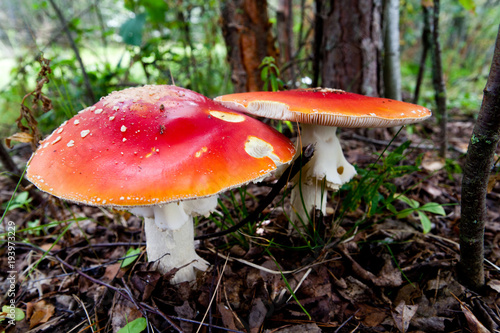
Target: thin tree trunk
point(438, 82)
point(86, 80)
point(285, 38)
point(426, 45)
point(318, 40)
point(480, 156)
point(247, 33)
point(352, 46)
point(392, 64)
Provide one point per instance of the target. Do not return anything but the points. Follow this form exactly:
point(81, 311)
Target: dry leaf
point(403, 314)
point(19, 137)
point(495, 285)
point(431, 163)
point(474, 324)
point(40, 313)
point(492, 181)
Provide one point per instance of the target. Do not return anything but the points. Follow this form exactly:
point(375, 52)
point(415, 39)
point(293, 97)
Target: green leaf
point(136, 326)
point(426, 223)
point(468, 5)
point(433, 207)
point(263, 74)
point(131, 255)
point(410, 202)
point(405, 213)
point(391, 208)
point(131, 30)
point(18, 313)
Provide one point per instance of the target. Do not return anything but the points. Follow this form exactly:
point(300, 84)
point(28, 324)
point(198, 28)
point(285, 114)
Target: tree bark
point(247, 33)
point(351, 46)
point(392, 64)
point(482, 146)
point(285, 38)
point(318, 40)
point(438, 82)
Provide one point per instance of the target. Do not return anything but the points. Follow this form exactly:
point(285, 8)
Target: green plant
point(136, 326)
point(131, 255)
point(270, 74)
point(20, 200)
point(431, 207)
point(377, 191)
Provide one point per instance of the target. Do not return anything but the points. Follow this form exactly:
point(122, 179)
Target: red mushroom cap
point(152, 145)
point(329, 107)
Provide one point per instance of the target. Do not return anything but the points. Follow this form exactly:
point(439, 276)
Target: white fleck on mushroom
point(71, 143)
point(56, 140)
point(123, 128)
point(84, 133)
point(76, 122)
point(98, 111)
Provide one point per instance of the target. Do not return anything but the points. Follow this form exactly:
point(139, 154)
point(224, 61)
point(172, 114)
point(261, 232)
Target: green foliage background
point(126, 43)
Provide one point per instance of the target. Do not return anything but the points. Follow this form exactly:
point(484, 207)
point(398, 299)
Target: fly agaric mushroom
point(321, 111)
point(164, 153)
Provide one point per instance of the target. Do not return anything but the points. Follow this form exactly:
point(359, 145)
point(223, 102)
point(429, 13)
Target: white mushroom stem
point(170, 236)
point(328, 163)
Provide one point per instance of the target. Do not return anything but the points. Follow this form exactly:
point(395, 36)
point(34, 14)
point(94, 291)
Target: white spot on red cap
point(227, 116)
point(123, 128)
point(84, 133)
point(57, 140)
point(76, 122)
point(59, 131)
point(98, 111)
point(71, 143)
point(111, 118)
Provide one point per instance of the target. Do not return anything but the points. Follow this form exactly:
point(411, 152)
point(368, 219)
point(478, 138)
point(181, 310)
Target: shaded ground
point(360, 273)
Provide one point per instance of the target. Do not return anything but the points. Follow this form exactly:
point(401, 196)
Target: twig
point(289, 173)
point(75, 49)
point(215, 293)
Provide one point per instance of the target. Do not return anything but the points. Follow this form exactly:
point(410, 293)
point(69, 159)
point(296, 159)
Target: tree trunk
point(392, 65)
point(351, 46)
point(482, 146)
point(285, 38)
point(318, 40)
point(438, 82)
point(247, 33)
point(426, 45)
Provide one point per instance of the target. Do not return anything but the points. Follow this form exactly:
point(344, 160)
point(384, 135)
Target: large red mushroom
point(162, 152)
point(320, 111)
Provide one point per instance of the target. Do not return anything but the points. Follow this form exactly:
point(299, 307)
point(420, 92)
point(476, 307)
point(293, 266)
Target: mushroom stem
point(170, 236)
point(174, 249)
point(328, 163)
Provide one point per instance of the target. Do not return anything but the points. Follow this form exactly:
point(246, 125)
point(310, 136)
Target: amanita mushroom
point(321, 111)
point(164, 153)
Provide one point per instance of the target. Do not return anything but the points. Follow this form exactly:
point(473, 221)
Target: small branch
point(289, 173)
point(75, 49)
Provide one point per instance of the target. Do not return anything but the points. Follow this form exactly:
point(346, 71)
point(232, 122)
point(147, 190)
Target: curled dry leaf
point(403, 314)
point(39, 312)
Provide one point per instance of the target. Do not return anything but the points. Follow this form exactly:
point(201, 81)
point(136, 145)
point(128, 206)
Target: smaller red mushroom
point(320, 111)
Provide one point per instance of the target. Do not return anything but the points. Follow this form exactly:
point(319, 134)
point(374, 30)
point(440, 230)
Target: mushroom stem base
point(328, 166)
point(174, 249)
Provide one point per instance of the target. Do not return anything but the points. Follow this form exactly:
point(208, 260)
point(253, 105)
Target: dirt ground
point(360, 274)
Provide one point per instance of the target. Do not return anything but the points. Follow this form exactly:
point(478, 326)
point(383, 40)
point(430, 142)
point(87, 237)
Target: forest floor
point(382, 274)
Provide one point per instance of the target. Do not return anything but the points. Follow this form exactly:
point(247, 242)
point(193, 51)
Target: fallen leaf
point(495, 285)
point(257, 315)
point(403, 314)
point(474, 324)
point(431, 163)
point(40, 313)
